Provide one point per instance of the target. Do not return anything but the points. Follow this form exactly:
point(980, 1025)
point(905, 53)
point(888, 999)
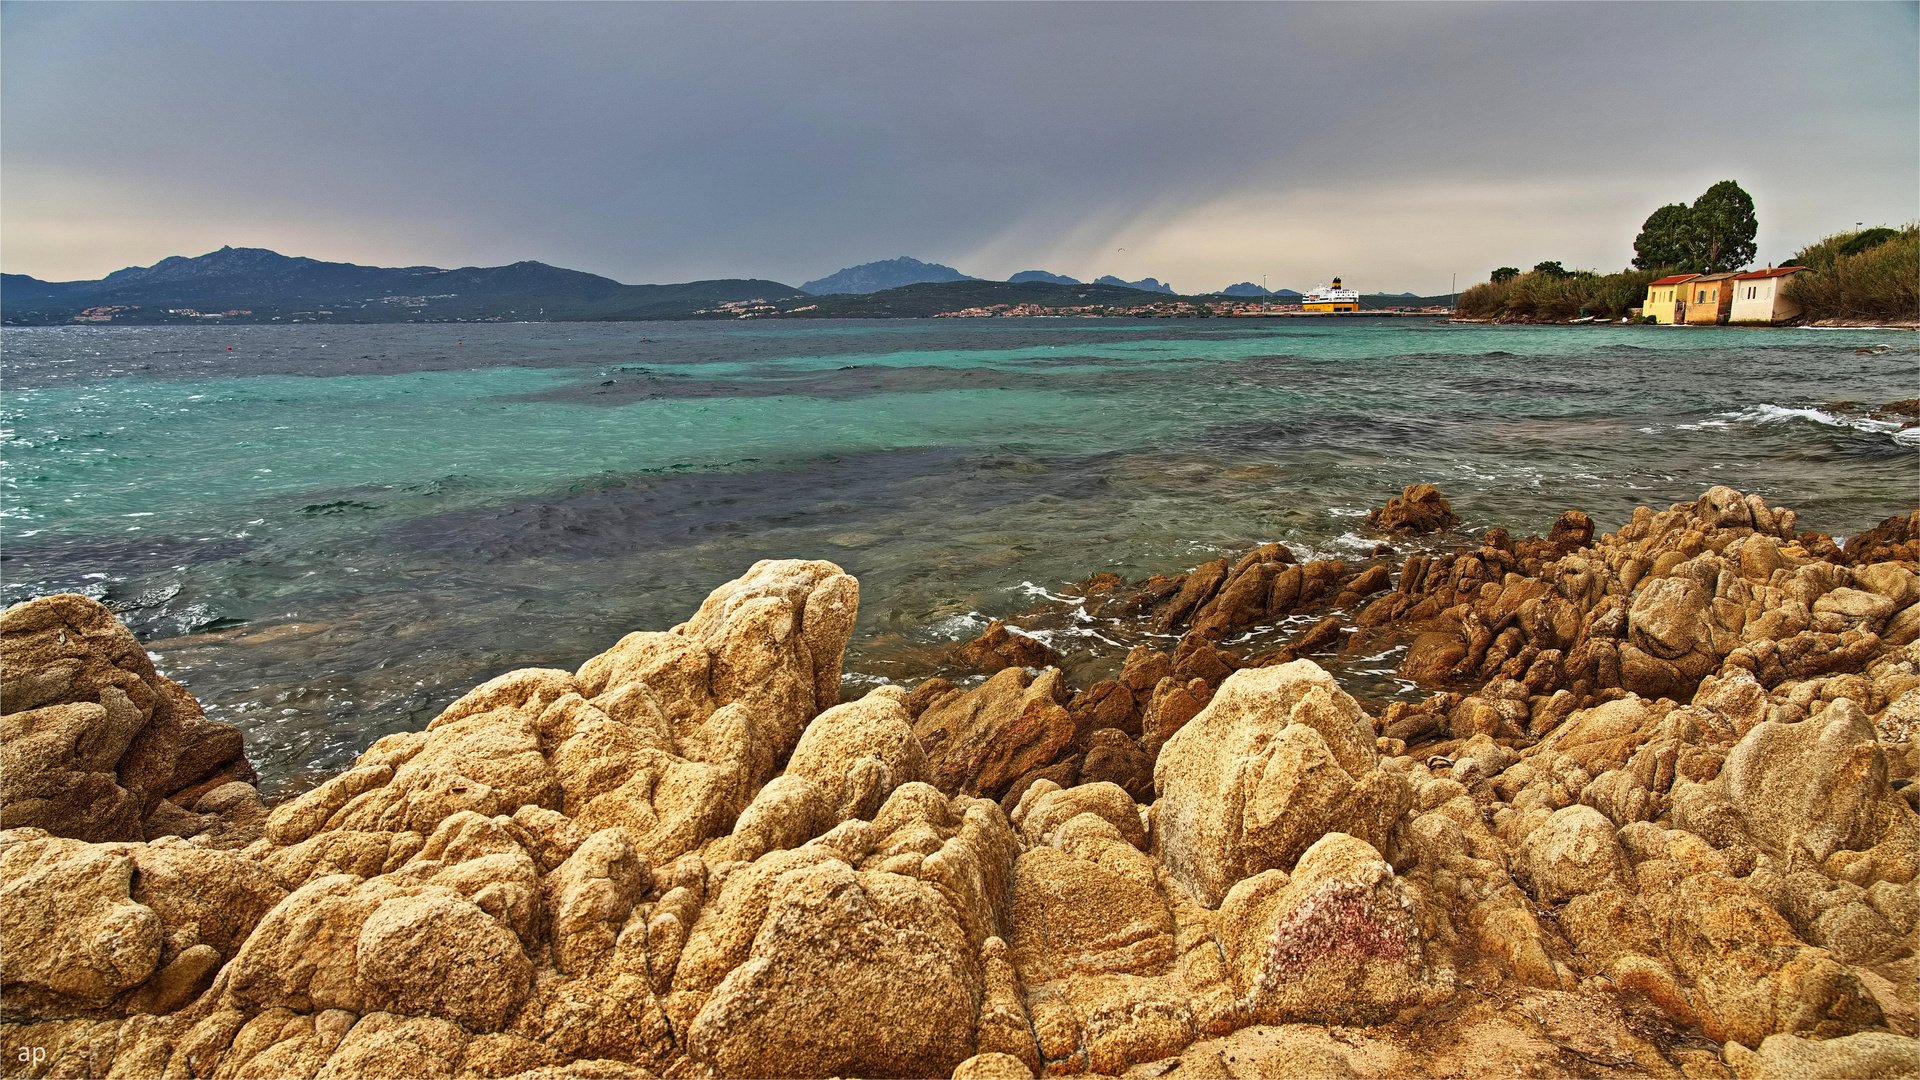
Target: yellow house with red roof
point(1667, 299)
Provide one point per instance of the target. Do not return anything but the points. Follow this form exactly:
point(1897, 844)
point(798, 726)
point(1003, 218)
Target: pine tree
point(1714, 234)
point(1723, 227)
point(1666, 240)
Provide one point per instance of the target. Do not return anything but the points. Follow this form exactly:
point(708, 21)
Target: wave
point(1776, 414)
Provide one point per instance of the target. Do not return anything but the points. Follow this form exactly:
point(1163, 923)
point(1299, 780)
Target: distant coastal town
point(1183, 309)
point(1320, 301)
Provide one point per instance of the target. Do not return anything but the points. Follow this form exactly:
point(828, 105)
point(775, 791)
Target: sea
point(329, 532)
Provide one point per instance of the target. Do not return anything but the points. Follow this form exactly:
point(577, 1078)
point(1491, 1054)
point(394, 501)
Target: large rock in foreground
point(1336, 942)
point(1279, 758)
point(97, 745)
point(688, 858)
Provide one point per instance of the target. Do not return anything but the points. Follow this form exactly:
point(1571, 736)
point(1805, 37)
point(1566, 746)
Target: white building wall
point(1758, 300)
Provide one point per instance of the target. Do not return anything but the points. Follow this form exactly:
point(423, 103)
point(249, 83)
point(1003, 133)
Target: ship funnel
point(1336, 283)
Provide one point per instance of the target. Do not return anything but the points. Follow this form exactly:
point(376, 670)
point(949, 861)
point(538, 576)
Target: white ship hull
point(1331, 296)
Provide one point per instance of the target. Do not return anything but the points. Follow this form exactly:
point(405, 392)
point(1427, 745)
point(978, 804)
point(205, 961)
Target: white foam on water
point(1044, 637)
point(1388, 654)
point(1070, 631)
point(1305, 553)
point(1285, 625)
point(962, 626)
point(859, 680)
point(1777, 414)
point(1031, 589)
point(1356, 542)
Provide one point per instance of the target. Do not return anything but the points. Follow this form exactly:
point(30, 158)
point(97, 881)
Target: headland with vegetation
point(1859, 277)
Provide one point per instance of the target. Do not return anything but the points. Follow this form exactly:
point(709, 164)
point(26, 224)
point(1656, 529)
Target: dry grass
point(1880, 284)
point(1486, 300)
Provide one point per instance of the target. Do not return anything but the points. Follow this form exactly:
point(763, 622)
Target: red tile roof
point(1674, 280)
point(1777, 271)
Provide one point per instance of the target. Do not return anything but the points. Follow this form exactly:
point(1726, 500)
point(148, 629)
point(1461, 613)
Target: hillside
point(926, 299)
point(1382, 301)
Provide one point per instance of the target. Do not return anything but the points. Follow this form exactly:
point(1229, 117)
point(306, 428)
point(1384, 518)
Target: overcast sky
point(1201, 143)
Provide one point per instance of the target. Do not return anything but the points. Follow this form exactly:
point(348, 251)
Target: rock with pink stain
point(1336, 942)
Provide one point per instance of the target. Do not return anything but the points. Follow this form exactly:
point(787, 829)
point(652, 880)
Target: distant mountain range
point(1144, 284)
point(257, 285)
point(254, 285)
point(890, 274)
point(1042, 275)
point(1248, 288)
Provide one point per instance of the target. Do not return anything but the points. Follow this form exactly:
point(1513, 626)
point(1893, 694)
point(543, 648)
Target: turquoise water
point(330, 532)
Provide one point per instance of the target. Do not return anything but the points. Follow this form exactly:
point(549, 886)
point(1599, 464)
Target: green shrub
point(1555, 295)
point(1872, 275)
point(1547, 296)
point(1614, 294)
point(1872, 238)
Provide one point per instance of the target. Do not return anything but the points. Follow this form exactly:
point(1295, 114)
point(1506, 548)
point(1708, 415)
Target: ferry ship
point(1333, 298)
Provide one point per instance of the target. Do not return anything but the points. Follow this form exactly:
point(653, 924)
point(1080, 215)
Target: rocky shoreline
point(1819, 324)
point(1655, 817)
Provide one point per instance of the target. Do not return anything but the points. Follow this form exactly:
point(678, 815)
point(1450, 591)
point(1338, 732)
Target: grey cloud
point(657, 142)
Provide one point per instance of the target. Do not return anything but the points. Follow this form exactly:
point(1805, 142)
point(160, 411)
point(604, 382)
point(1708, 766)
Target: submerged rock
point(997, 648)
point(1419, 509)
